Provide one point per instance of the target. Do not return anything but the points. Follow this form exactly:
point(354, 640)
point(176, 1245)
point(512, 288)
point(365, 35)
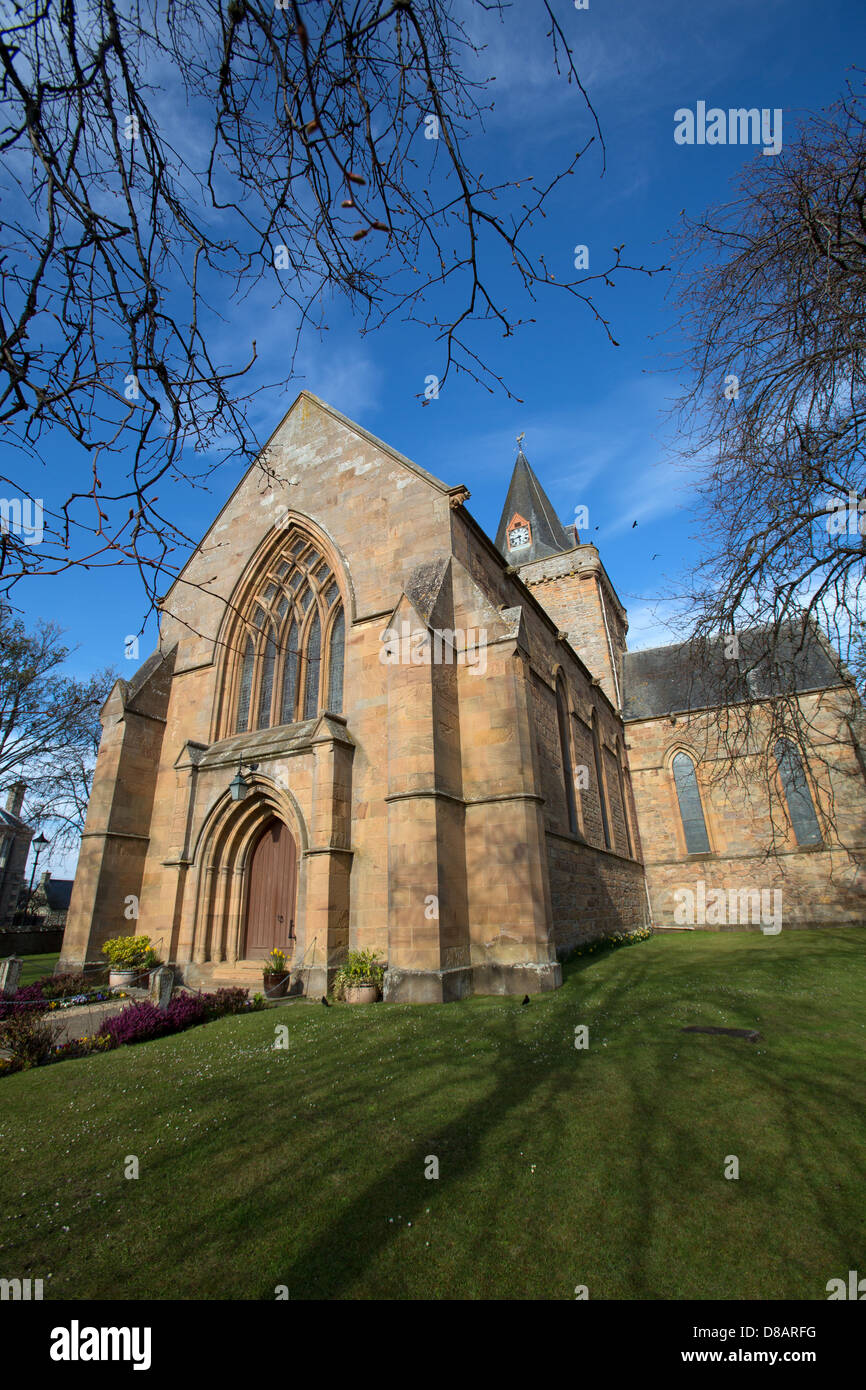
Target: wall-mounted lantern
point(239, 786)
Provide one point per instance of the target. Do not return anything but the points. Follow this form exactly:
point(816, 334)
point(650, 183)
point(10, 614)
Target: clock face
point(518, 536)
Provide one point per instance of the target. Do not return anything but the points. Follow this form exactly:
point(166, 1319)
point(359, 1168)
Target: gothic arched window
point(312, 662)
point(800, 807)
point(565, 749)
point(290, 677)
point(246, 685)
point(337, 642)
point(266, 688)
point(623, 796)
point(282, 676)
point(691, 810)
point(599, 777)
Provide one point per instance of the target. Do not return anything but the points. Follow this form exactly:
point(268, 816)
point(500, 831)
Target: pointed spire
point(529, 528)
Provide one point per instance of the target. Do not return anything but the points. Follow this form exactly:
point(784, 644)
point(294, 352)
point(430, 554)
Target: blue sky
point(593, 415)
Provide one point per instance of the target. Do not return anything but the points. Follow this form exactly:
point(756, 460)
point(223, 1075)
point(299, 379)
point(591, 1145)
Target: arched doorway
point(273, 876)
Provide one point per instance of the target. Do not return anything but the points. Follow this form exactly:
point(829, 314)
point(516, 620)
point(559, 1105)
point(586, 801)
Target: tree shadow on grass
point(476, 1083)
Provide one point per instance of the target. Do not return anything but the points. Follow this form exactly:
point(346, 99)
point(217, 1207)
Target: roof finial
point(520, 439)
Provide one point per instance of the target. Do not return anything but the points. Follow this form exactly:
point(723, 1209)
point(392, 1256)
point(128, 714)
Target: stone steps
point(222, 974)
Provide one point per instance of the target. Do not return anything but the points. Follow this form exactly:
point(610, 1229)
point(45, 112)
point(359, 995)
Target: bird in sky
point(633, 525)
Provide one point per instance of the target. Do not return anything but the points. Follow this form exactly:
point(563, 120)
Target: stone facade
point(449, 757)
point(15, 839)
point(820, 884)
point(577, 593)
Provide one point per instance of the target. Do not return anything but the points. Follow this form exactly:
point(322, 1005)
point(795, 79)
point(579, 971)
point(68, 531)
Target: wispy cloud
point(652, 624)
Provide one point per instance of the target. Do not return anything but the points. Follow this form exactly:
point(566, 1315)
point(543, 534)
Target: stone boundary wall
point(30, 943)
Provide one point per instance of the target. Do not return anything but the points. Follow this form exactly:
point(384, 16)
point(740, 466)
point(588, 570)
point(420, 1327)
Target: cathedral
point(369, 726)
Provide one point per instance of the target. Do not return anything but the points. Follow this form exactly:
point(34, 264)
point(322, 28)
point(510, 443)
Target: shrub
point(28, 993)
point(63, 986)
point(27, 1000)
point(141, 1022)
point(130, 953)
point(186, 1010)
point(30, 1038)
point(226, 1001)
point(135, 1024)
point(360, 968)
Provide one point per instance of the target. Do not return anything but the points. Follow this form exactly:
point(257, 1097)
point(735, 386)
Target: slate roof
point(527, 498)
point(676, 679)
point(58, 891)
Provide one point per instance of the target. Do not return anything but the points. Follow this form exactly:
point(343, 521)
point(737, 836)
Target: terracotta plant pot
point(361, 994)
point(123, 978)
point(275, 982)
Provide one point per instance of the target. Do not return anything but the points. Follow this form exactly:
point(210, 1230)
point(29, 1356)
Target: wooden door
point(271, 899)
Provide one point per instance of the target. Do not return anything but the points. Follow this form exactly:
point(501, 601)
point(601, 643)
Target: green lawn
point(558, 1167)
point(34, 967)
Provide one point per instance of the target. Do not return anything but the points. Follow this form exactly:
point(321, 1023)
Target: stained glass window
point(691, 810)
point(335, 664)
point(313, 654)
point(623, 796)
point(290, 677)
point(599, 777)
point(246, 686)
point(286, 596)
point(267, 686)
point(565, 750)
point(800, 808)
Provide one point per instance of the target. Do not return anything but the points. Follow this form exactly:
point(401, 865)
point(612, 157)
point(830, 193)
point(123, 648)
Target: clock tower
point(529, 528)
point(565, 575)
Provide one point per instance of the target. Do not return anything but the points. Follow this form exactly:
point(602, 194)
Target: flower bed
point(54, 992)
point(607, 943)
point(28, 1034)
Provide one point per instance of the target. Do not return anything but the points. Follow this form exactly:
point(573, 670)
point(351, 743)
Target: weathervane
point(520, 438)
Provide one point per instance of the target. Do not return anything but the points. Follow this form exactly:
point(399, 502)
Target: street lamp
point(38, 844)
point(239, 786)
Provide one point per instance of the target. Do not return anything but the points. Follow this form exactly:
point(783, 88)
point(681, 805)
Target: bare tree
point(291, 157)
point(773, 292)
point(49, 728)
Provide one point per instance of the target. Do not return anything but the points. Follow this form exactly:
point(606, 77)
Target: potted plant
point(128, 958)
point(359, 980)
point(275, 973)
